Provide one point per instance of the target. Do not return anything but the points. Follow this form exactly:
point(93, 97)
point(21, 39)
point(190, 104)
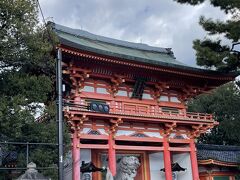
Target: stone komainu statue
point(127, 168)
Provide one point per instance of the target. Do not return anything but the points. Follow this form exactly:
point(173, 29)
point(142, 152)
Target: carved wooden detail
point(116, 81)
point(197, 130)
point(94, 132)
point(77, 75)
point(191, 91)
point(140, 135)
point(75, 124)
point(159, 88)
point(169, 128)
point(114, 125)
point(162, 86)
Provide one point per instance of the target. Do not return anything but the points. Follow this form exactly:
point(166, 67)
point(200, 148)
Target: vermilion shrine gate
point(127, 98)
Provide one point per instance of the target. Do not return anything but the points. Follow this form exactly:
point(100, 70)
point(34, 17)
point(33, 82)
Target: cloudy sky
point(162, 23)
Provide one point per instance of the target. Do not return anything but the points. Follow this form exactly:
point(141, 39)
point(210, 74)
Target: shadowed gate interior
point(100, 158)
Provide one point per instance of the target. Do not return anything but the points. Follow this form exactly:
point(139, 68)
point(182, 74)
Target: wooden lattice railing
point(144, 111)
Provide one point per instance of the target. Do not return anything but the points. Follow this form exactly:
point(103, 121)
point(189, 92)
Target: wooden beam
point(180, 141)
point(179, 149)
point(94, 146)
point(89, 136)
point(138, 139)
point(142, 148)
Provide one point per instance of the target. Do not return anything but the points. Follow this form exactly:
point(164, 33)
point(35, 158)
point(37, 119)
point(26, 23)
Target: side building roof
point(218, 154)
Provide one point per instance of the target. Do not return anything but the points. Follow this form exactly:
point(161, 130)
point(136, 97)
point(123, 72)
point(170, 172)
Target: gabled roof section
point(123, 50)
point(218, 153)
point(108, 46)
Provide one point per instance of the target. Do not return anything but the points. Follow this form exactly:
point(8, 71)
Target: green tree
point(212, 52)
point(27, 82)
point(223, 103)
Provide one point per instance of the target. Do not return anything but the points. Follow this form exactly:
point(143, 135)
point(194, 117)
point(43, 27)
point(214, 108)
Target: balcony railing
point(145, 111)
point(158, 113)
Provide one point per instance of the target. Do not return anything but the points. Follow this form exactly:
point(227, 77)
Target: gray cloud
point(162, 23)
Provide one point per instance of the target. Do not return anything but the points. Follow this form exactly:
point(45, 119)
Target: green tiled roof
point(108, 46)
point(136, 52)
point(120, 50)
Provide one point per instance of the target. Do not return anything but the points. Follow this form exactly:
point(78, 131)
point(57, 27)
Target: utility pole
point(59, 114)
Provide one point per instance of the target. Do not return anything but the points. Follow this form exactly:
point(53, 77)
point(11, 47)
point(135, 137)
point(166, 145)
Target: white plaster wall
point(85, 130)
point(185, 136)
point(183, 159)
point(85, 155)
point(156, 163)
point(153, 134)
point(102, 131)
point(123, 132)
point(172, 135)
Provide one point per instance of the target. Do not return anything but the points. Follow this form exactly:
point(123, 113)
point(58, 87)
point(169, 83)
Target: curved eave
point(216, 162)
point(167, 61)
point(191, 70)
point(221, 78)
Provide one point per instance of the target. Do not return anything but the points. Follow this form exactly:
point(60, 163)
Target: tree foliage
point(213, 52)
point(224, 104)
point(27, 81)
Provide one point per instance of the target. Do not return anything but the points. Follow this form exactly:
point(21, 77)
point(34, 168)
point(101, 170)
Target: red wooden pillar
point(76, 148)
point(111, 155)
point(193, 155)
point(167, 160)
point(75, 156)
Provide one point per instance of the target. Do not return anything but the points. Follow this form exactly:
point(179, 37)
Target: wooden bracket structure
point(69, 118)
point(77, 76)
point(169, 127)
point(73, 124)
point(159, 88)
point(116, 80)
point(190, 91)
point(114, 126)
point(197, 130)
